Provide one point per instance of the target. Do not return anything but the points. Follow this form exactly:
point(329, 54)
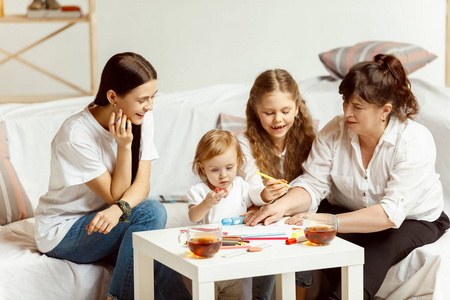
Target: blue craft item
point(233, 221)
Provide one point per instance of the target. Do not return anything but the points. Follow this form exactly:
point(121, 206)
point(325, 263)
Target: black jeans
point(383, 249)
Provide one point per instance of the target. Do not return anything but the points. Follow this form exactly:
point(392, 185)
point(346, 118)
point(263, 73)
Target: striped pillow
point(14, 202)
point(234, 124)
point(339, 61)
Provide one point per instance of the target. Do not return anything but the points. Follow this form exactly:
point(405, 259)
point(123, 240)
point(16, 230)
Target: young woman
point(277, 141)
point(377, 166)
point(100, 177)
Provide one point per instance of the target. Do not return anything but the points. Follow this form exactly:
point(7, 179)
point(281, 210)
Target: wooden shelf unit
point(89, 18)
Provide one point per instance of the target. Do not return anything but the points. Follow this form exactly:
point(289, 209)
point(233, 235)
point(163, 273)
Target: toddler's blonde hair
point(215, 142)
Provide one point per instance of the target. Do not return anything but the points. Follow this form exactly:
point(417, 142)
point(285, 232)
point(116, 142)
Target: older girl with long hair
point(277, 141)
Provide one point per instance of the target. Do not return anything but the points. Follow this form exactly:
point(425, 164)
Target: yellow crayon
point(268, 177)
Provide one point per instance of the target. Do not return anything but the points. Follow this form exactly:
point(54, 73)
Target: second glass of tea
point(320, 229)
point(203, 241)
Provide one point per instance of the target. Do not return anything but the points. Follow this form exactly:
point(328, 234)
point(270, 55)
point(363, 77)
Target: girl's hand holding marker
point(268, 177)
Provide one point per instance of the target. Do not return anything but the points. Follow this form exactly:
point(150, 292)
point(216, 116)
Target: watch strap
point(126, 209)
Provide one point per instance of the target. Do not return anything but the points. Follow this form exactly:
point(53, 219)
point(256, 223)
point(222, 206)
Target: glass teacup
point(203, 241)
point(320, 229)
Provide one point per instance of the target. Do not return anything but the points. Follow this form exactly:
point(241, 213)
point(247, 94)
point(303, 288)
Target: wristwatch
point(126, 209)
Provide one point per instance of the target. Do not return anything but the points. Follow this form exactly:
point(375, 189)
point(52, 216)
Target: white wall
point(195, 43)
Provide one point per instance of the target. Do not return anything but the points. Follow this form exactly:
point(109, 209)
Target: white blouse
point(400, 176)
point(255, 181)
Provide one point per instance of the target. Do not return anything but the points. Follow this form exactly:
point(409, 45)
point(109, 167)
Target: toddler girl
point(222, 194)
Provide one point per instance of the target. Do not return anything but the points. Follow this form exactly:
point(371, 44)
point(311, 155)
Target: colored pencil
point(255, 235)
point(266, 238)
point(268, 177)
point(234, 247)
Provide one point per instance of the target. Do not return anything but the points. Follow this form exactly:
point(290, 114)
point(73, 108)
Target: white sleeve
point(413, 178)
point(195, 195)
point(78, 162)
point(245, 197)
point(316, 177)
point(256, 184)
point(148, 149)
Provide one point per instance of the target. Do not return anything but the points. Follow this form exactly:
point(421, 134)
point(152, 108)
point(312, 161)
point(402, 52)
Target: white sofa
point(180, 120)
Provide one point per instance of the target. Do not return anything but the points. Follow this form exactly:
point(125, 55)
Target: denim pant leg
point(78, 246)
point(262, 287)
point(304, 279)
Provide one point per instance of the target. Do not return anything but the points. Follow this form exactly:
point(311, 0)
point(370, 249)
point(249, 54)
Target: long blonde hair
point(299, 138)
point(215, 142)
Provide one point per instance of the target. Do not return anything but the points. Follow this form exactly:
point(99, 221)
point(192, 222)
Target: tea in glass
point(320, 229)
point(203, 241)
point(204, 246)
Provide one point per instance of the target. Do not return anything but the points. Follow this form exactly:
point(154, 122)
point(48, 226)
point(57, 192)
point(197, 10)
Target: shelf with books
point(69, 19)
point(25, 19)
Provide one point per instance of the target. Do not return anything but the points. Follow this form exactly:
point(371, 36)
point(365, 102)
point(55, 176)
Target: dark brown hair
point(299, 138)
point(381, 81)
point(122, 73)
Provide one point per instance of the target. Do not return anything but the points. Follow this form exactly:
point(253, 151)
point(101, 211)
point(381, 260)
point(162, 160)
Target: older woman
point(376, 168)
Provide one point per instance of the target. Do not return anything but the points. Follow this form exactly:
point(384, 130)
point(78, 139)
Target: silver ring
point(122, 130)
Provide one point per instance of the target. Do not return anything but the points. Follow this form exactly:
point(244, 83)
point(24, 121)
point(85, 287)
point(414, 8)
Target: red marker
point(225, 190)
point(296, 240)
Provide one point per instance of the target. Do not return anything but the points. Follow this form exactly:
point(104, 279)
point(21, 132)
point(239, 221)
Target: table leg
point(352, 282)
point(202, 291)
point(285, 286)
point(143, 276)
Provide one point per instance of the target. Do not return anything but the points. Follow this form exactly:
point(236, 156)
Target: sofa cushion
point(339, 61)
point(14, 202)
point(31, 128)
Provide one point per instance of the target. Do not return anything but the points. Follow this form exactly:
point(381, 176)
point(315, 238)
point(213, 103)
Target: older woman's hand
point(267, 214)
point(297, 219)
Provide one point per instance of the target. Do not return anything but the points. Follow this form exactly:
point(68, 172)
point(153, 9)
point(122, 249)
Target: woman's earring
point(114, 105)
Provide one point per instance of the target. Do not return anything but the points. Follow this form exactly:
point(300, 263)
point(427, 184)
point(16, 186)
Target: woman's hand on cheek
point(120, 128)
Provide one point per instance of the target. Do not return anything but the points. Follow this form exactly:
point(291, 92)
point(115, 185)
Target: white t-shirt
point(234, 205)
point(256, 184)
point(400, 176)
point(81, 151)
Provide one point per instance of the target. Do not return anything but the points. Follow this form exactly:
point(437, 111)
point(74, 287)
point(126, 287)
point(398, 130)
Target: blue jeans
point(117, 246)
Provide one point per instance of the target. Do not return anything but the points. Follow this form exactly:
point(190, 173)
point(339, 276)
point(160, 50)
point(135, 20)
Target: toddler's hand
point(213, 198)
point(224, 190)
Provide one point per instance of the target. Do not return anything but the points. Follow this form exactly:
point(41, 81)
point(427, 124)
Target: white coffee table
point(281, 260)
